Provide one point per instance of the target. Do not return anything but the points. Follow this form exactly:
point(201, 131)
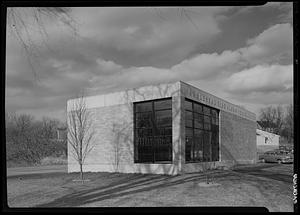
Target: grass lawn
point(235, 188)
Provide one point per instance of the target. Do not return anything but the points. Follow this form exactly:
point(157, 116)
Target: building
point(167, 129)
point(266, 141)
point(61, 133)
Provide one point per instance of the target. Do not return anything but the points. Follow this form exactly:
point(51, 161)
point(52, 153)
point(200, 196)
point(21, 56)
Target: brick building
point(166, 129)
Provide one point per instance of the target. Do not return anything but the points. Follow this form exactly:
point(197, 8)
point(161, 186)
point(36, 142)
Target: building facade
point(266, 141)
point(166, 129)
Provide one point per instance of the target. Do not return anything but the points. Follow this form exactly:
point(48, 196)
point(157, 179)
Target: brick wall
point(238, 138)
point(113, 126)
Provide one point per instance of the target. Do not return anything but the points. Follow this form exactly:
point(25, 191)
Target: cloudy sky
point(241, 54)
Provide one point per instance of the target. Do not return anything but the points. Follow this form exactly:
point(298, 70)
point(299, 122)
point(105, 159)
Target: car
point(277, 156)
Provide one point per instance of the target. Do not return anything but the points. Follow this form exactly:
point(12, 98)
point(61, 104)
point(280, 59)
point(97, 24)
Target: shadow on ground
point(128, 186)
point(138, 183)
point(261, 171)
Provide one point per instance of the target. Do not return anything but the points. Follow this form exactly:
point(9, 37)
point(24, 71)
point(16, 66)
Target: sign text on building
point(213, 101)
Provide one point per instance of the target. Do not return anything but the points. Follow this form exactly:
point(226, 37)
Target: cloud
point(158, 37)
point(272, 45)
point(234, 75)
point(128, 36)
point(68, 73)
point(205, 66)
point(284, 10)
point(262, 78)
point(107, 67)
point(130, 48)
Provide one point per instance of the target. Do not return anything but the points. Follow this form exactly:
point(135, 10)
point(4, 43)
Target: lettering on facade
point(215, 102)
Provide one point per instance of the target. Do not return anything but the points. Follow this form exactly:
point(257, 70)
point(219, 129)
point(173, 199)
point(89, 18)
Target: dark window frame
point(158, 134)
point(208, 127)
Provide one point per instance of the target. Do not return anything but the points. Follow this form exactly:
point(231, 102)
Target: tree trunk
point(81, 173)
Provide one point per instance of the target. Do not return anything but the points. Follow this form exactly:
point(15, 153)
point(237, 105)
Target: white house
point(266, 141)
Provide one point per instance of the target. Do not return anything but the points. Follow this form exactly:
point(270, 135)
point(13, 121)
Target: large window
point(153, 131)
point(202, 132)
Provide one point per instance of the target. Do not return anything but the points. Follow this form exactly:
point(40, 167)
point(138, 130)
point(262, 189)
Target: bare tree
point(24, 23)
point(22, 136)
point(289, 122)
point(272, 118)
point(29, 140)
point(80, 132)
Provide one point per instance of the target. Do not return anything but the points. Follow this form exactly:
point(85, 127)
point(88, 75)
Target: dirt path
point(20, 171)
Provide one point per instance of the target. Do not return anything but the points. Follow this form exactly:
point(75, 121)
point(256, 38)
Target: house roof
point(258, 125)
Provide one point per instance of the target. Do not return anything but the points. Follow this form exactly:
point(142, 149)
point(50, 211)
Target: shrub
point(61, 160)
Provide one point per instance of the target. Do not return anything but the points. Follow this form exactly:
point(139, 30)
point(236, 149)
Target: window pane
point(163, 113)
point(163, 104)
point(215, 128)
point(159, 131)
point(206, 119)
point(206, 110)
point(215, 146)
point(145, 106)
point(145, 149)
point(198, 147)
point(207, 146)
point(214, 121)
point(144, 132)
point(188, 148)
point(162, 131)
point(197, 108)
point(189, 123)
point(214, 113)
point(163, 117)
point(198, 124)
point(198, 116)
point(197, 132)
point(143, 120)
point(188, 115)
point(207, 126)
point(168, 131)
point(188, 105)
point(163, 146)
point(189, 132)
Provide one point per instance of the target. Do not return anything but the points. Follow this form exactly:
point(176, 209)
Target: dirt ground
point(266, 185)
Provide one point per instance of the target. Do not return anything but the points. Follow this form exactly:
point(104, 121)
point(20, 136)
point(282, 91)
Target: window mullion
point(153, 133)
point(193, 132)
